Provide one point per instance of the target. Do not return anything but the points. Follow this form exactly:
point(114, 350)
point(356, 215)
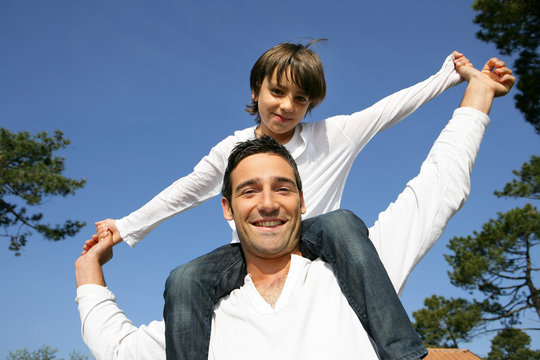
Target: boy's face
point(266, 206)
point(281, 107)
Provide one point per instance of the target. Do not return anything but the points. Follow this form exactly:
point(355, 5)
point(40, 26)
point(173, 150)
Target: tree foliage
point(512, 344)
point(445, 323)
point(514, 27)
point(29, 174)
point(497, 262)
point(528, 185)
point(45, 352)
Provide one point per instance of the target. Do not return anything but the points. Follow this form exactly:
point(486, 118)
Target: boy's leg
point(191, 291)
point(341, 239)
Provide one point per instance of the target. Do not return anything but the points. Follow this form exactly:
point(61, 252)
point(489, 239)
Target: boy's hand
point(104, 228)
point(461, 61)
point(108, 225)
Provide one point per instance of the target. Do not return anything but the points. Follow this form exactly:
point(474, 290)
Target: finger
point(89, 244)
point(502, 71)
point(490, 64)
point(493, 64)
point(90, 241)
point(508, 79)
point(462, 61)
point(457, 54)
point(102, 230)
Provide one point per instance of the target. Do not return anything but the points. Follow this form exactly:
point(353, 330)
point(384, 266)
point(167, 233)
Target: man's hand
point(88, 266)
point(494, 75)
point(494, 80)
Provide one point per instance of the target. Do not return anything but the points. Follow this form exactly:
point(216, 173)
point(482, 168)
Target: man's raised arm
point(409, 227)
point(107, 332)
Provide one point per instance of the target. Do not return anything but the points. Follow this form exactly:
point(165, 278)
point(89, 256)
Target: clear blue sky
point(145, 88)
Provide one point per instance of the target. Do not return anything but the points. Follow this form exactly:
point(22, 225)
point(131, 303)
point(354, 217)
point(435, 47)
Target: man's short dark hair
point(303, 65)
point(262, 145)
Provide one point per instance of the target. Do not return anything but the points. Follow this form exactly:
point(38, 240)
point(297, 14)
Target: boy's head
point(262, 145)
point(302, 65)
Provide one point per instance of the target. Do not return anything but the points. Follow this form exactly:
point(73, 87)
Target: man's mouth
point(269, 223)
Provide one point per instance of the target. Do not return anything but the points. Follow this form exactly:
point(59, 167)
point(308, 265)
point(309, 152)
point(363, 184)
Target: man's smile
point(268, 223)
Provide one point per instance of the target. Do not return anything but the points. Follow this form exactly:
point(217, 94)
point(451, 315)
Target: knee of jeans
point(346, 233)
point(182, 280)
point(342, 220)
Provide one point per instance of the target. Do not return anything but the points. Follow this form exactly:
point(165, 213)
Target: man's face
point(266, 206)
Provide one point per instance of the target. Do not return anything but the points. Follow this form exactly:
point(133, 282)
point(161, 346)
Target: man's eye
point(284, 190)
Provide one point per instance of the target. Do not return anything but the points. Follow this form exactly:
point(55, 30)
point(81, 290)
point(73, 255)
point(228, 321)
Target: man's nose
point(268, 202)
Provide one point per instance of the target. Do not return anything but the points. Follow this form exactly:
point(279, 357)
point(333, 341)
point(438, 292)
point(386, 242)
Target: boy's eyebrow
point(276, 84)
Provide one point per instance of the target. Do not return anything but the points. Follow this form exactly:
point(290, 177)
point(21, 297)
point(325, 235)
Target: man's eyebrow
point(286, 180)
point(254, 181)
point(245, 183)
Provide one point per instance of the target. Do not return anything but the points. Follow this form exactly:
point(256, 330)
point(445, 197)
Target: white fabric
point(402, 234)
point(324, 152)
point(311, 320)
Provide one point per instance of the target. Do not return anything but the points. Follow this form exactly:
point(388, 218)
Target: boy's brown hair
point(305, 68)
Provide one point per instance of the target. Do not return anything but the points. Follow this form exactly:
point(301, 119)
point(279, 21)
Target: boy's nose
point(286, 104)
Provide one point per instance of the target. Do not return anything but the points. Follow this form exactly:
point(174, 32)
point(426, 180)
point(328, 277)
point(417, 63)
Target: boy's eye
point(277, 91)
point(302, 99)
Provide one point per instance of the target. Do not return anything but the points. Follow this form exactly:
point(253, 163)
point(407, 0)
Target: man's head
point(295, 63)
point(262, 193)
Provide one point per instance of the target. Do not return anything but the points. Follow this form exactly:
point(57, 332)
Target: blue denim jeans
point(339, 238)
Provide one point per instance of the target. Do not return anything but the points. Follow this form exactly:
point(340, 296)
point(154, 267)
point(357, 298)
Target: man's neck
point(269, 276)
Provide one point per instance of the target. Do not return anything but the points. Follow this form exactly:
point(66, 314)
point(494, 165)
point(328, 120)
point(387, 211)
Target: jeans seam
point(225, 271)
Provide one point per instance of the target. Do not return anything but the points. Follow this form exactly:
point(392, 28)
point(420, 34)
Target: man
point(290, 307)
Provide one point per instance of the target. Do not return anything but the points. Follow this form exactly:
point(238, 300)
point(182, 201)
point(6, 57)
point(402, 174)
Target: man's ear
point(302, 204)
point(227, 210)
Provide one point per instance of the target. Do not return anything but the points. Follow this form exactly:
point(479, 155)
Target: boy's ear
point(254, 96)
point(227, 210)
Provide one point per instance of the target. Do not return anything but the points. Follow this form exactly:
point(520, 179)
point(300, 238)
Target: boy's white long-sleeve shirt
point(324, 152)
point(402, 235)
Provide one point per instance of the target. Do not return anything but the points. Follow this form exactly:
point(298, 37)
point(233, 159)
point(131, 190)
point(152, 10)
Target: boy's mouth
point(282, 118)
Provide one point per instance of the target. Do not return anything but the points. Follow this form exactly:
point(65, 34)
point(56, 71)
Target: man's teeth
point(269, 223)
